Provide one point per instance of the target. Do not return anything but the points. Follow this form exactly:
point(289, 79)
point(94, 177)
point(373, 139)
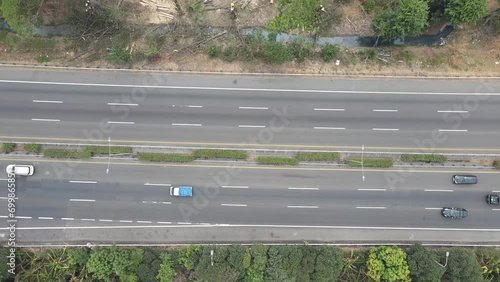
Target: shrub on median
point(105, 150)
point(496, 164)
point(66, 154)
point(317, 157)
point(8, 147)
point(34, 148)
point(160, 157)
point(277, 161)
point(369, 162)
point(428, 158)
point(219, 154)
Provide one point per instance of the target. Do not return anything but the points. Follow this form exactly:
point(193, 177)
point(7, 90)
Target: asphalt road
point(221, 111)
point(139, 194)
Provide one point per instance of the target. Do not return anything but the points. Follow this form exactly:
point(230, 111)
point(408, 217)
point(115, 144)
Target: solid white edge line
point(453, 130)
point(47, 101)
point(433, 208)
point(332, 110)
point(332, 128)
point(186, 124)
point(251, 126)
point(385, 129)
point(302, 188)
point(122, 104)
point(67, 218)
point(452, 111)
point(45, 217)
point(382, 190)
point(81, 200)
point(302, 207)
point(156, 184)
point(44, 119)
point(430, 190)
point(235, 186)
point(389, 111)
point(375, 208)
point(253, 108)
point(83, 181)
point(233, 205)
point(121, 122)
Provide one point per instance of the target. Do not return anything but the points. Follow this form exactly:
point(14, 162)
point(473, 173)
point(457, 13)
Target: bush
point(230, 52)
point(213, 51)
point(118, 53)
point(329, 52)
point(369, 162)
point(428, 158)
point(276, 53)
point(66, 154)
point(18, 13)
point(277, 161)
point(496, 164)
point(34, 148)
point(159, 157)
point(219, 154)
point(42, 59)
point(423, 266)
point(8, 147)
point(105, 150)
point(317, 157)
point(463, 266)
point(300, 49)
point(369, 5)
point(387, 264)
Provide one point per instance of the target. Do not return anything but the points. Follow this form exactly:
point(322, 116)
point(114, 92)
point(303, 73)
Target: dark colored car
point(464, 179)
point(493, 199)
point(455, 213)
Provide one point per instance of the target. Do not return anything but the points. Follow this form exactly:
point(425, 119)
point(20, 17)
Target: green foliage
point(154, 44)
point(255, 272)
point(105, 150)
point(105, 263)
point(119, 53)
point(46, 265)
point(159, 157)
point(149, 268)
point(369, 5)
point(408, 19)
point(276, 53)
point(387, 264)
point(230, 53)
point(470, 11)
point(367, 162)
point(406, 56)
point(423, 266)
point(42, 59)
point(4, 268)
point(353, 266)
point(328, 264)
point(277, 161)
point(213, 51)
point(463, 266)
point(317, 157)
point(194, 10)
point(38, 44)
point(8, 147)
point(77, 257)
point(189, 256)
point(329, 52)
point(227, 264)
point(19, 14)
point(428, 158)
point(219, 154)
point(489, 259)
point(283, 262)
point(496, 164)
point(303, 15)
point(300, 49)
point(66, 154)
point(166, 271)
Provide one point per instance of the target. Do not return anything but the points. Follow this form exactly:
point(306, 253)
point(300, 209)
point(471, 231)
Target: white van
point(23, 170)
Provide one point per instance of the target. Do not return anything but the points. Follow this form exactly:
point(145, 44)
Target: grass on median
point(8, 147)
point(160, 157)
point(277, 161)
point(427, 158)
point(105, 150)
point(33, 148)
point(317, 157)
point(208, 154)
point(66, 154)
point(496, 164)
point(367, 162)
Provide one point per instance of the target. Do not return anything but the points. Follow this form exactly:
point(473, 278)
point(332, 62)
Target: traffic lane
point(245, 81)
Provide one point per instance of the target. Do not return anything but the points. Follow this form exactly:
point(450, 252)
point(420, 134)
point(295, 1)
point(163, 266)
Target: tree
point(19, 14)
point(104, 263)
point(255, 272)
point(166, 271)
point(466, 11)
point(408, 19)
point(387, 264)
point(282, 263)
point(463, 266)
point(150, 265)
point(423, 266)
point(489, 259)
point(328, 265)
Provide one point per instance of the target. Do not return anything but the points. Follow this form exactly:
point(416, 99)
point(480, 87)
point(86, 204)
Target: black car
point(493, 199)
point(455, 212)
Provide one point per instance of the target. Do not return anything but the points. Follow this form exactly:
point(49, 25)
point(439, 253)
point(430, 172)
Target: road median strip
point(367, 162)
point(427, 158)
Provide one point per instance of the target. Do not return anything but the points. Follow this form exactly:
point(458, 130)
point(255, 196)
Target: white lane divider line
point(495, 209)
point(431, 190)
point(302, 188)
point(123, 104)
point(329, 128)
point(47, 101)
point(235, 186)
point(3, 179)
point(460, 112)
point(185, 223)
point(186, 124)
point(6, 198)
point(45, 217)
point(194, 106)
point(164, 222)
point(251, 126)
point(81, 200)
point(83, 181)
point(143, 221)
point(233, 205)
point(374, 208)
point(106, 220)
point(331, 110)
point(156, 184)
point(154, 202)
point(495, 191)
point(3, 216)
point(302, 207)
point(44, 119)
point(453, 130)
point(253, 108)
point(433, 208)
point(24, 217)
point(385, 129)
point(87, 219)
point(128, 221)
point(121, 122)
point(67, 218)
point(374, 190)
point(386, 111)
